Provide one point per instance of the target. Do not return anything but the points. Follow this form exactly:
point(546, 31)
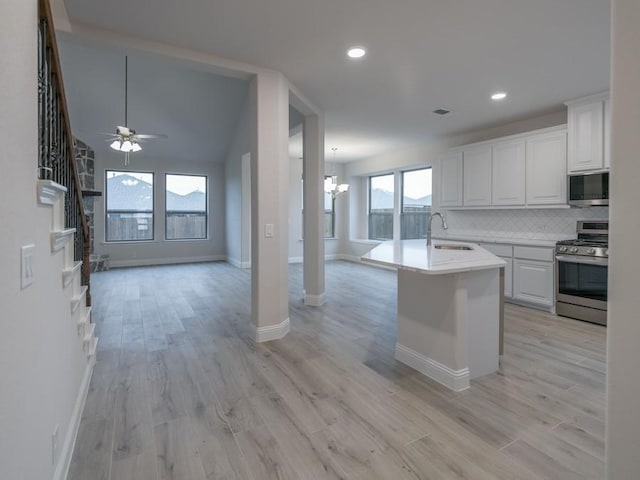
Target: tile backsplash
point(538, 224)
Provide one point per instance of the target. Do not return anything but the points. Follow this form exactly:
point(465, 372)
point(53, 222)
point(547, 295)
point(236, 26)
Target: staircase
point(63, 244)
point(58, 183)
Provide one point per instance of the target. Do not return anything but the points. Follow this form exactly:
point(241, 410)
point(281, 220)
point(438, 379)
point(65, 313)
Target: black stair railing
point(56, 159)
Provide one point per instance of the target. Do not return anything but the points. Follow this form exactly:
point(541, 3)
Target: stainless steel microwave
point(588, 189)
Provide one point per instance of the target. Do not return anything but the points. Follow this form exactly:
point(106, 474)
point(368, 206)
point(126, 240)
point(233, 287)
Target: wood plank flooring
point(180, 391)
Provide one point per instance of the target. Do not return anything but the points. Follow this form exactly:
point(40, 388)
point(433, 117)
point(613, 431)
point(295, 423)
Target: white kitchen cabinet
point(509, 173)
point(505, 252)
point(533, 281)
point(588, 128)
point(477, 176)
point(508, 277)
point(451, 179)
point(607, 133)
point(533, 275)
point(546, 159)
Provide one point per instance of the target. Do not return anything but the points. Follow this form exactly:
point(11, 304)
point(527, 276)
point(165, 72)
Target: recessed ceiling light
point(356, 52)
point(498, 96)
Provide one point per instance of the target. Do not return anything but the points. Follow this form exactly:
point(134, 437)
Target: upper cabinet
point(451, 179)
point(547, 169)
point(476, 167)
point(588, 126)
point(524, 170)
point(508, 173)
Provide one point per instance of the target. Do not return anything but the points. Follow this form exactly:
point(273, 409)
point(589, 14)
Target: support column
point(313, 174)
point(269, 206)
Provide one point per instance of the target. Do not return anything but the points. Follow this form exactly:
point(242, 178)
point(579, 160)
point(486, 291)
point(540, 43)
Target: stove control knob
point(591, 251)
point(573, 250)
point(562, 249)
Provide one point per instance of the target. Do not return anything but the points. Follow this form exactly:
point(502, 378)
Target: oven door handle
point(603, 262)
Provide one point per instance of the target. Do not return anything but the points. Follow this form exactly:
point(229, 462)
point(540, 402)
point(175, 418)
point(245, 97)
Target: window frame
point(401, 211)
point(106, 207)
point(371, 177)
point(206, 206)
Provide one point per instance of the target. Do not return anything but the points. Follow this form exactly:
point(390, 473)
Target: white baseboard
point(314, 300)
point(296, 259)
point(165, 261)
point(237, 263)
point(271, 332)
point(456, 380)
point(64, 460)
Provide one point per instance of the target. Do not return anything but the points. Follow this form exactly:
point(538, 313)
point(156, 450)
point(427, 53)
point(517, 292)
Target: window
point(329, 214)
point(129, 204)
point(186, 207)
point(416, 203)
point(381, 192)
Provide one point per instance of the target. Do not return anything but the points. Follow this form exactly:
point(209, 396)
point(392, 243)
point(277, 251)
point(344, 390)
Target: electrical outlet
point(26, 265)
point(54, 444)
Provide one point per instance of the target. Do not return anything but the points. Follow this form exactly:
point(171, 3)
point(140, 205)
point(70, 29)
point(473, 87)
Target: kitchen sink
point(448, 246)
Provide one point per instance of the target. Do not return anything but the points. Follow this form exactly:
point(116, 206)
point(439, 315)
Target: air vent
point(441, 111)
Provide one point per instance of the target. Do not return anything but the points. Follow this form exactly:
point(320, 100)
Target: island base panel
point(448, 325)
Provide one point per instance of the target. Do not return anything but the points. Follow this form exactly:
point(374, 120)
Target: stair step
point(59, 238)
point(75, 301)
point(88, 334)
point(84, 322)
point(93, 346)
point(49, 191)
point(69, 273)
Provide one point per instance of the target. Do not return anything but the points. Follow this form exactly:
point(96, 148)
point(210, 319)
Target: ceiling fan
point(126, 139)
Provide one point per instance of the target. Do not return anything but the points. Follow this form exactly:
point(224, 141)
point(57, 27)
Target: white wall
point(41, 362)
point(237, 244)
point(623, 333)
point(161, 251)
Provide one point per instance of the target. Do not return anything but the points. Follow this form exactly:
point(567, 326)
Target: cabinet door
point(477, 176)
point(533, 281)
point(586, 136)
point(508, 173)
point(451, 179)
point(547, 169)
point(508, 277)
point(607, 133)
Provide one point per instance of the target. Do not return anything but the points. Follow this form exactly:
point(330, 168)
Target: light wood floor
point(181, 392)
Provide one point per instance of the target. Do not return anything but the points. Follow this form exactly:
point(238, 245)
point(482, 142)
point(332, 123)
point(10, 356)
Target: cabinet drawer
point(534, 253)
point(499, 250)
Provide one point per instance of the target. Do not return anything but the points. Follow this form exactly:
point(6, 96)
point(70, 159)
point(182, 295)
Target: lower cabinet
point(533, 281)
point(528, 274)
point(508, 277)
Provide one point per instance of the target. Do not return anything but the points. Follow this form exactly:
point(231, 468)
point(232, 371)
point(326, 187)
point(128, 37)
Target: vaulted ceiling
point(422, 55)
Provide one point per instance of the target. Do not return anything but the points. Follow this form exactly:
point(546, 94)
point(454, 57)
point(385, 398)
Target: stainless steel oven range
point(581, 273)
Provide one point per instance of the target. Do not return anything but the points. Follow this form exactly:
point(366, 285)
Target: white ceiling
point(197, 110)
point(423, 55)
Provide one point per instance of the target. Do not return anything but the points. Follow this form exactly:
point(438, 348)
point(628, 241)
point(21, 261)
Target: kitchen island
point(449, 307)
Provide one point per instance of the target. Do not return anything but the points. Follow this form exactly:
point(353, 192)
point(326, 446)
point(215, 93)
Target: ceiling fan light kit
point(126, 139)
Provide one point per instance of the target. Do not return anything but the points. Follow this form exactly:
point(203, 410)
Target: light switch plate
point(26, 265)
point(268, 230)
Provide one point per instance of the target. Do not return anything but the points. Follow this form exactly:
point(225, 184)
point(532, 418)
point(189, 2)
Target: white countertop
point(531, 242)
point(413, 255)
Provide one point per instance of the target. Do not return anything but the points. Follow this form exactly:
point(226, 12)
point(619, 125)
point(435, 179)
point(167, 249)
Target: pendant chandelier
point(331, 185)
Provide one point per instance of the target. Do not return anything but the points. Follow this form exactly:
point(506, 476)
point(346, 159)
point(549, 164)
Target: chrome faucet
point(444, 225)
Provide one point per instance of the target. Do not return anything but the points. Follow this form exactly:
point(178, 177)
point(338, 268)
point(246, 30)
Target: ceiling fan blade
point(151, 135)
